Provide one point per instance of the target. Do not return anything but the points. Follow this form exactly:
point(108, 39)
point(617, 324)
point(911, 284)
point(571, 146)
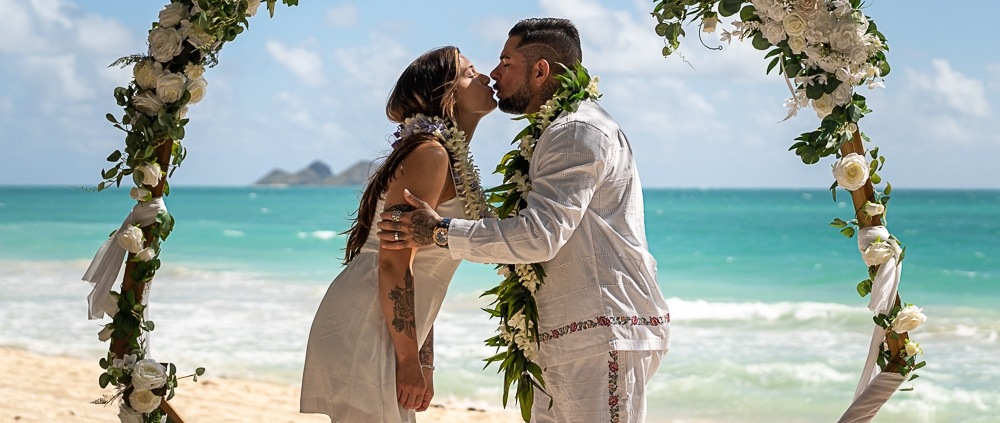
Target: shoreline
point(37, 388)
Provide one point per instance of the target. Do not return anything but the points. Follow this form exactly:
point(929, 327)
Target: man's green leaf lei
point(515, 300)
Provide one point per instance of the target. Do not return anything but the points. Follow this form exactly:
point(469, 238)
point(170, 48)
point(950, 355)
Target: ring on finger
point(396, 215)
point(395, 236)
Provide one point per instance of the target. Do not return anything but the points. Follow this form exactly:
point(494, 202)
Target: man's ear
point(540, 73)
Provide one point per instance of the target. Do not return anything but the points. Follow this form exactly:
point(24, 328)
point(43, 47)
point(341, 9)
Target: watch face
point(441, 236)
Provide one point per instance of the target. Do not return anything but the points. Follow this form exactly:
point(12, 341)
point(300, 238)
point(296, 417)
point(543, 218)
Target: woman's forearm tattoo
point(427, 351)
point(403, 319)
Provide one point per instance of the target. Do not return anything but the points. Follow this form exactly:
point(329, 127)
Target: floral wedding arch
point(823, 48)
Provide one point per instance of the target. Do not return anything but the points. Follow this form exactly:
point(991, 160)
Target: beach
point(44, 389)
point(765, 318)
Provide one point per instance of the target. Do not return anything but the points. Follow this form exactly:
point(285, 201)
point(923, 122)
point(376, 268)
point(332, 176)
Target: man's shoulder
point(589, 114)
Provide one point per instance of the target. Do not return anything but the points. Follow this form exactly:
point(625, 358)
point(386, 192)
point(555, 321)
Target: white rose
point(182, 113)
point(774, 32)
point(794, 24)
point(105, 334)
point(139, 194)
point(199, 38)
point(873, 209)
point(146, 254)
point(778, 11)
point(148, 374)
point(708, 24)
point(151, 173)
point(173, 14)
point(844, 37)
point(877, 253)
point(148, 103)
point(252, 7)
point(194, 71)
point(807, 6)
point(909, 318)
point(823, 106)
point(842, 74)
point(797, 44)
point(851, 171)
point(858, 54)
point(197, 88)
point(165, 43)
point(144, 400)
point(842, 94)
point(912, 348)
point(127, 415)
point(170, 87)
point(131, 239)
point(145, 73)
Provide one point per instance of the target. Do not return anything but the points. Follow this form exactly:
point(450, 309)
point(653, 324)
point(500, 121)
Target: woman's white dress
point(350, 362)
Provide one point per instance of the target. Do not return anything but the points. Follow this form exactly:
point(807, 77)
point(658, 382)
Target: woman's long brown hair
point(426, 86)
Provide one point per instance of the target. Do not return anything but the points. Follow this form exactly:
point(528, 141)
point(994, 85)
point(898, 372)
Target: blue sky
point(311, 84)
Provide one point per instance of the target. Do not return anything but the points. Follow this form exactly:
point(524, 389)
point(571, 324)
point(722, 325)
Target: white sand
point(45, 389)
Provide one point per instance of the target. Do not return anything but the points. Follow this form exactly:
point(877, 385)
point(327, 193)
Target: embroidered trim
point(613, 387)
point(603, 321)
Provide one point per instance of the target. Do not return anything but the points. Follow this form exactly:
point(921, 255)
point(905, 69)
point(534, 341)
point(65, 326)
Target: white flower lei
point(463, 170)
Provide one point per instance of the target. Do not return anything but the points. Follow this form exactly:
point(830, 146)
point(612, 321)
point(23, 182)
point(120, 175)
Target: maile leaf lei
point(515, 299)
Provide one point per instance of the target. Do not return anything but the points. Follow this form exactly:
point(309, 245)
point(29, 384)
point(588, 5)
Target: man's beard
point(517, 102)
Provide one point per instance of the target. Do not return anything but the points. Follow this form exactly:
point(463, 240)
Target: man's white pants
point(609, 387)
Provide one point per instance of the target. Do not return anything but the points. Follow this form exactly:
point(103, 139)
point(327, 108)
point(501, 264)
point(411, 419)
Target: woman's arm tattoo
point(402, 307)
point(427, 351)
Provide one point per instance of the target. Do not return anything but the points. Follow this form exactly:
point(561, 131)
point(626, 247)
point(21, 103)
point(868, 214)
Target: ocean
point(767, 325)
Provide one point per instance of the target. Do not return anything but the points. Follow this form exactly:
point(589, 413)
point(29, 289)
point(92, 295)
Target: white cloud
point(951, 90)
point(343, 16)
point(17, 28)
point(994, 78)
point(375, 65)
point(64, 80)
point(103, 36)
point(302, 62)
point(623, 41)
point(51, 12)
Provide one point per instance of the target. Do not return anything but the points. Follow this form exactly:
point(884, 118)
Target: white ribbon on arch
point(103, 270)
point(874, 389)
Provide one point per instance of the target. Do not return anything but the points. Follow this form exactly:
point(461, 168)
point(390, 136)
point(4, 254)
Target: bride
point(370, 354)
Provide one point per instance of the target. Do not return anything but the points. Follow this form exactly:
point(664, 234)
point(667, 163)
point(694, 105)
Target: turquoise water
point(766, 318)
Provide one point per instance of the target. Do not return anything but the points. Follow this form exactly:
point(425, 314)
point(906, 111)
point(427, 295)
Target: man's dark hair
point(553, 39)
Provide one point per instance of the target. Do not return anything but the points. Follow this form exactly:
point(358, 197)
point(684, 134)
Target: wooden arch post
point(119, 347)
point(860, 197)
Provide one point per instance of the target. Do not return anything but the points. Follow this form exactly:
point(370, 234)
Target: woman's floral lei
point(463, 171)
point(515, 303)
point(826, 48)
point(186, 38)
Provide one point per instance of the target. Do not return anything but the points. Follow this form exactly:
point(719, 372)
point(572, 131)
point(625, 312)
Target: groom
point(603, 323)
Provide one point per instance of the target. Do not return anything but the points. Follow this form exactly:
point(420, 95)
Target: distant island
point(318, 173)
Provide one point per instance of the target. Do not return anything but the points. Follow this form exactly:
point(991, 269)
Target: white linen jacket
point(584, 223)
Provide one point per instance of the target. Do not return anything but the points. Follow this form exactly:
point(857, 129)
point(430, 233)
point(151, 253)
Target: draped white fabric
point(103, 270)
point(883, 296)
point(865, 406)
